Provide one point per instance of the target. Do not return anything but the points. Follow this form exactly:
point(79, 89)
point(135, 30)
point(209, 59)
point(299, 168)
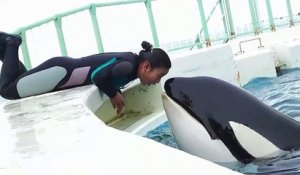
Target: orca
point(222, 122)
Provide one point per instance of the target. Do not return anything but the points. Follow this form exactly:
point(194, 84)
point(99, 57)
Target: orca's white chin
point(191, 136)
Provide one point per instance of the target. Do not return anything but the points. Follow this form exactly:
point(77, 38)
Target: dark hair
point(155, 56)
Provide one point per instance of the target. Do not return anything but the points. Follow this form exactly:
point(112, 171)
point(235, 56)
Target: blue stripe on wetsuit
point(118, 82)
point(111, 61)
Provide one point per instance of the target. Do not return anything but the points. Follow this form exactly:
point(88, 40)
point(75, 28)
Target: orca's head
point(212, 119)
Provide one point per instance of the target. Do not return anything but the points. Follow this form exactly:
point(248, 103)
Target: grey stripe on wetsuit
point(50, 77)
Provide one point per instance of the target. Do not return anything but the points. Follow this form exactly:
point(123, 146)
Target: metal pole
point(254, 16)
point(60, 36)
point(152, 22)
point(270, 15)
point(203, 21)
point(25, 52)
point(93, 14)
point(288, 4)
point(229, 16)
point(198, 38)
point(224, 14)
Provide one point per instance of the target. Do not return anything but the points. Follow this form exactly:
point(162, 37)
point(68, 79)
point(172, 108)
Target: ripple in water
point(283, 94)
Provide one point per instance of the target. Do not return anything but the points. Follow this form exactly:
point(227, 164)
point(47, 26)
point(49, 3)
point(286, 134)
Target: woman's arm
point(103, 80)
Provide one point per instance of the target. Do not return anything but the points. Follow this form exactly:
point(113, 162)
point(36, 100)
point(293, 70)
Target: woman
point(110, 72)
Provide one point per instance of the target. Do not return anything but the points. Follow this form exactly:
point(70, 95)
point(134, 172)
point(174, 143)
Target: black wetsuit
point(108, 71)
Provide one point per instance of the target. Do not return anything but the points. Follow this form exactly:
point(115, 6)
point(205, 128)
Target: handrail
point(240, 44)
point(77, 10)
point(52, 18)
point(57, 20)
point(198, 37)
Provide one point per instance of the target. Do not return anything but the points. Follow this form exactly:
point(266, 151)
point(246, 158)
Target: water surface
point(283, 94)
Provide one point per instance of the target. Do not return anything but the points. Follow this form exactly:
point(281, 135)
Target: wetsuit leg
point(11, 67)
point(2, 48)
point(54, 74)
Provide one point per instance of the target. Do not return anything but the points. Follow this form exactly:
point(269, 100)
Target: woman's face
point(148, 75)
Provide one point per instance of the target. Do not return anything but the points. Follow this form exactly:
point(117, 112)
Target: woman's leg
point(43, 78)
point(3, 37)
point(54, 74)
point(11, 66)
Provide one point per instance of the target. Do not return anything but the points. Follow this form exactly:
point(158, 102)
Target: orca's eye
point(185, 99)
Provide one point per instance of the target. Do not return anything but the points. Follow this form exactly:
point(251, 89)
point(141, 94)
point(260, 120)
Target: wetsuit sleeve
point(103, 78)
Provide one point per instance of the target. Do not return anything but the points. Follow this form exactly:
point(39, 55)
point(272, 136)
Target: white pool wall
point(214, 61)
point(288, 54)
point(220, 62)
point(253, 65)
point(283, 44)
point(56, 133)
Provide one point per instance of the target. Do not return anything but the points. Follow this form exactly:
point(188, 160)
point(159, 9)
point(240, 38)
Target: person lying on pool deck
point(110, 71)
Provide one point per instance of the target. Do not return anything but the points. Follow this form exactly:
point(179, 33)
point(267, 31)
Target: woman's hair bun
point(147, 46)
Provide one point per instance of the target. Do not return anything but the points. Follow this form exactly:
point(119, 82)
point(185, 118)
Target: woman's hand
point(118, 102)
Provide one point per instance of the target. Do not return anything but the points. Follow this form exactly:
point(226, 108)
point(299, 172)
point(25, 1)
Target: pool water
point(283, 94)
point(163, 134)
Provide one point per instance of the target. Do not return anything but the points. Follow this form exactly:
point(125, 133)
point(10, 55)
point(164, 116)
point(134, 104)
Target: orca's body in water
point(221, 122)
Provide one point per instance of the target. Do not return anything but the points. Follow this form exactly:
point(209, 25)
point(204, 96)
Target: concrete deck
point(57, 134)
